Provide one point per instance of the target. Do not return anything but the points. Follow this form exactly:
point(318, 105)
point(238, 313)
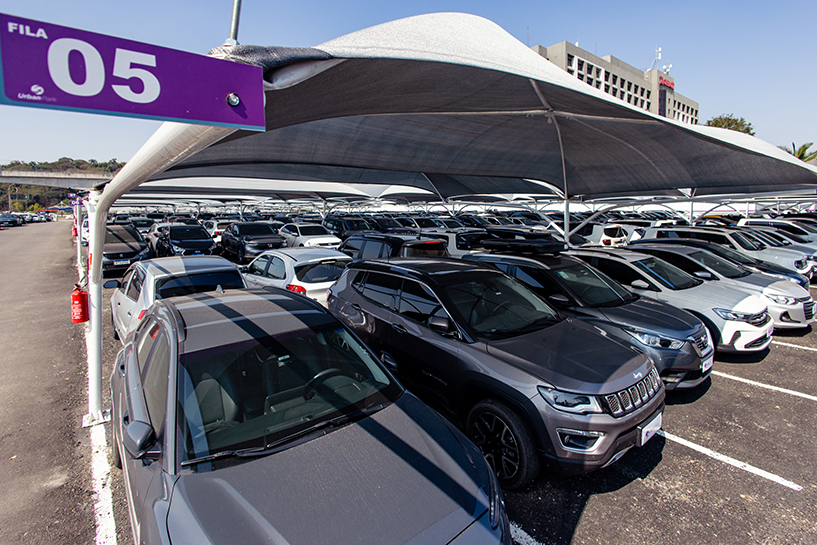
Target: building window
point(642, 91)
point(589, 69)
point(581, 77)
point(598, 72)
point(607, 88)
point(589, 80)
point(642, 103)
point(615, 92)
point(629, 86)
point(607, 76)
point(615, 79)
point(649, 105)
point(635, 91)
point(571, 71)
point(581, 65)
point(629, 98)
point(598, 84)
point(648, 95)
point(570, 59)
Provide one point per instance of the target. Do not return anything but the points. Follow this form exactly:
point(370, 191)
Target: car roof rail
point(524, 246)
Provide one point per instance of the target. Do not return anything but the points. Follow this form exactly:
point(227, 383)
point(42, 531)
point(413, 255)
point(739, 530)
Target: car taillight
point(141, 314)
point(296, 289)
point(606, 242)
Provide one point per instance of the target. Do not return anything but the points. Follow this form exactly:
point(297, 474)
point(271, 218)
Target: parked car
point(248, 239)
point(528, 386)
point(123, 245)
point(310, 235)
point(142, 224)
point(152, 279)
point(215, 227)
point(607, 234)
point(309, 271)
point(803, 229)
point(677, 341)
point(739, 322)
point(234, 414)
point(751, 263)
point(9, 220)
point(182, 239)
point(345, 226)
point(790, 306)
point(377, 246)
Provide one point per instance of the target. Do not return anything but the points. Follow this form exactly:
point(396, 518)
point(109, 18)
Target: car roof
point(624, 255)
point(547, 261)
point(674, 248)
point(425, 267)
point(304, 255)
point(183, 265)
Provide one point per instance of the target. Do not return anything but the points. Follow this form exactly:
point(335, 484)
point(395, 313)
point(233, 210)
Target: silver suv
point(528, 385)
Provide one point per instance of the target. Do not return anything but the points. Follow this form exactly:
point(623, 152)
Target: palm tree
point(802, 152)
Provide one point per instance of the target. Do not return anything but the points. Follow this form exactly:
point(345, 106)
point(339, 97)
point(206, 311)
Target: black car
point(181, 239)
point(123, 245)
point(676, 340)
point(385, 246)
point(247, 239)
point(528, 385)
point(345, 226)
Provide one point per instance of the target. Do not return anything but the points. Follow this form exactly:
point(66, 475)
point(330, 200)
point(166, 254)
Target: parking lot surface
point(735, 464)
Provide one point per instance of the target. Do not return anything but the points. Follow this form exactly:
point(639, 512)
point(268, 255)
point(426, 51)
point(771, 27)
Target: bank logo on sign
point(37, 90)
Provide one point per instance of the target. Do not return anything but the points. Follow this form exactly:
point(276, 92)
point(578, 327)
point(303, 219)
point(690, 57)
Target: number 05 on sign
point(50, 66)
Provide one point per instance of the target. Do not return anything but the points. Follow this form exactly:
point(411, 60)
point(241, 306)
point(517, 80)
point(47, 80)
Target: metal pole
point(233, 39)
point(94, 338)
point(78, 218)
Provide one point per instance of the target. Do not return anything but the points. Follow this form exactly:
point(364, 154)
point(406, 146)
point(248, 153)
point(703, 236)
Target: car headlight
point(781, 299)
point(656, 341)
point(253, 244)
point(727, 314)
point(143, 253)
point(177, 249)
point(571, 403)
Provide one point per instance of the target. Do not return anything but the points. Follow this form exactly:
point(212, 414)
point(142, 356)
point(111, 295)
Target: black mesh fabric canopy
point(452, 104)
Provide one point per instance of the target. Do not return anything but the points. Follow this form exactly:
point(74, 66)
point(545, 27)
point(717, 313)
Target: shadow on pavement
point(793, 333)
point(684, 397)
point(753, 357)
point(552, 506)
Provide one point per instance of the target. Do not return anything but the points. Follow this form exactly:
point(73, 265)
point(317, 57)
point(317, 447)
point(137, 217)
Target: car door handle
point(399, 328)
point(357, 307)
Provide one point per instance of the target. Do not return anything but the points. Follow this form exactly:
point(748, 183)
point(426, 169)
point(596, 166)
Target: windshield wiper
point(324, 426)
point(537, 324)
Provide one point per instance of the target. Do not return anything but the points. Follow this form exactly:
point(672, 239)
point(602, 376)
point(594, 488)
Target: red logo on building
point(666, 82)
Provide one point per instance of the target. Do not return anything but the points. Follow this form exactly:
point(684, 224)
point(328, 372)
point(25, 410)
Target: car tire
point(505, 441)
point(116, 459)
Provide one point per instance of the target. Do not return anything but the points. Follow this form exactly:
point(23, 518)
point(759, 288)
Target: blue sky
point(752, 59)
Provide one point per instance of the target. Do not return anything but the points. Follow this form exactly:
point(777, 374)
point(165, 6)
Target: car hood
point(772, 286)
point(122, 247)
point(574, 356)
point(262, 238)
point(709, 295)
point(195, 244)
point(401, 474)
point(651, 315)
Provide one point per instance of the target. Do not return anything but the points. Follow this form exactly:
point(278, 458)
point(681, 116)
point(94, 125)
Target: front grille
point(634, 397)
point(758, 342)
point(125, 255)
point(701, 342)
point(808, 306)
point(759, 319)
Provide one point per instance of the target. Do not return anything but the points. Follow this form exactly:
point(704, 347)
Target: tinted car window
point(147, 338)
point(619, 271)
point(671, 277)
point(425, 249)
point(417, 302)
point(258, 265)
point(192, 232)
point(196, 283)
point(381, 288)
point(256, 229)
point(310, 230)
point(320, 272)
point(126, 234)
point(352, 247)
point(277, 269)
point(374, 250)
point(135, 286)
point(155, 382)
point(719, 265)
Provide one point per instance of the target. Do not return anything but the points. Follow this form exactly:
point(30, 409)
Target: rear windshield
point(193, 232)
point(327, 271)
point(425, 249)
point(125, 234)
point(142, 223)
point(195, 283)
point(356, 225)
point(614, 232)
point(310, 230)
point(425, 222)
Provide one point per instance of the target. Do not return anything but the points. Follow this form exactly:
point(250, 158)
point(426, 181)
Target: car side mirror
point(440, 324)
point(389, 362)
point(640, 284)
point(705, 275)
point(138, 439)
point(112, 284)
point(244, 269)
point(559, 300)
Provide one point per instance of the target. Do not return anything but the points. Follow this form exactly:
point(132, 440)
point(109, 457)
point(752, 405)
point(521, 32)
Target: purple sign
point(50, 66)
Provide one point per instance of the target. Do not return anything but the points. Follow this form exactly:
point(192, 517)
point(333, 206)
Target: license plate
point(646, 431)
point(706, 365)
point(121, 262)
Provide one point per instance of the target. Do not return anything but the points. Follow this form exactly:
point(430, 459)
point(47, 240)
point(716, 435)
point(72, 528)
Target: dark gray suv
point(528, 385)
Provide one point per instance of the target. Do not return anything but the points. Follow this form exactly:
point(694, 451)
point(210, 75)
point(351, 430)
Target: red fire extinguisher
point(79, 305)
point(73, 230)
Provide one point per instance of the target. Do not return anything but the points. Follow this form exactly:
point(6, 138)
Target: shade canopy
point(453, 104)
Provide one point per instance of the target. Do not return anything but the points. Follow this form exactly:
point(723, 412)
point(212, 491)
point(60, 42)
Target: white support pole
point(78, 220)
point(94, 337)
point(567, 221)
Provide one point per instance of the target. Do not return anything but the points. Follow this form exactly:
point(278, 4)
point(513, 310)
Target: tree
point(802, 152)
point(729, 121)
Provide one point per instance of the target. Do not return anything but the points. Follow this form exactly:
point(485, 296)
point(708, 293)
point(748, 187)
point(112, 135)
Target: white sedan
point(309, 271)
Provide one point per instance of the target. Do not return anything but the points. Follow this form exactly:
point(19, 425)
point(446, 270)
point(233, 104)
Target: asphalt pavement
point(735, 464)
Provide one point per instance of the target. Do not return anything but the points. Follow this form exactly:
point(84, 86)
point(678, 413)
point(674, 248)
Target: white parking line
point(767, 386)
point(521, 537)
point(731, 461)
point(795, 346)
point(101, 485)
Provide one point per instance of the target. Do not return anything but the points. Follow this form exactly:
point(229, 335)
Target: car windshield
point(251, 396)
point(720, 265)
point(731, 254)
point(256, 229)
point(195, 283)
point(356, 225)
point(495, 306)
point(425, 223)
point(193, 232)
point(747, 243)
point(451, 224)
point(325, 271)
point(793, 237)
point(760, 238)
point(667, 275)
point(431, 248)
point(388, 223)
point(594, 288)
point(773, 238)
point(312, 230)
point(127, 235)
